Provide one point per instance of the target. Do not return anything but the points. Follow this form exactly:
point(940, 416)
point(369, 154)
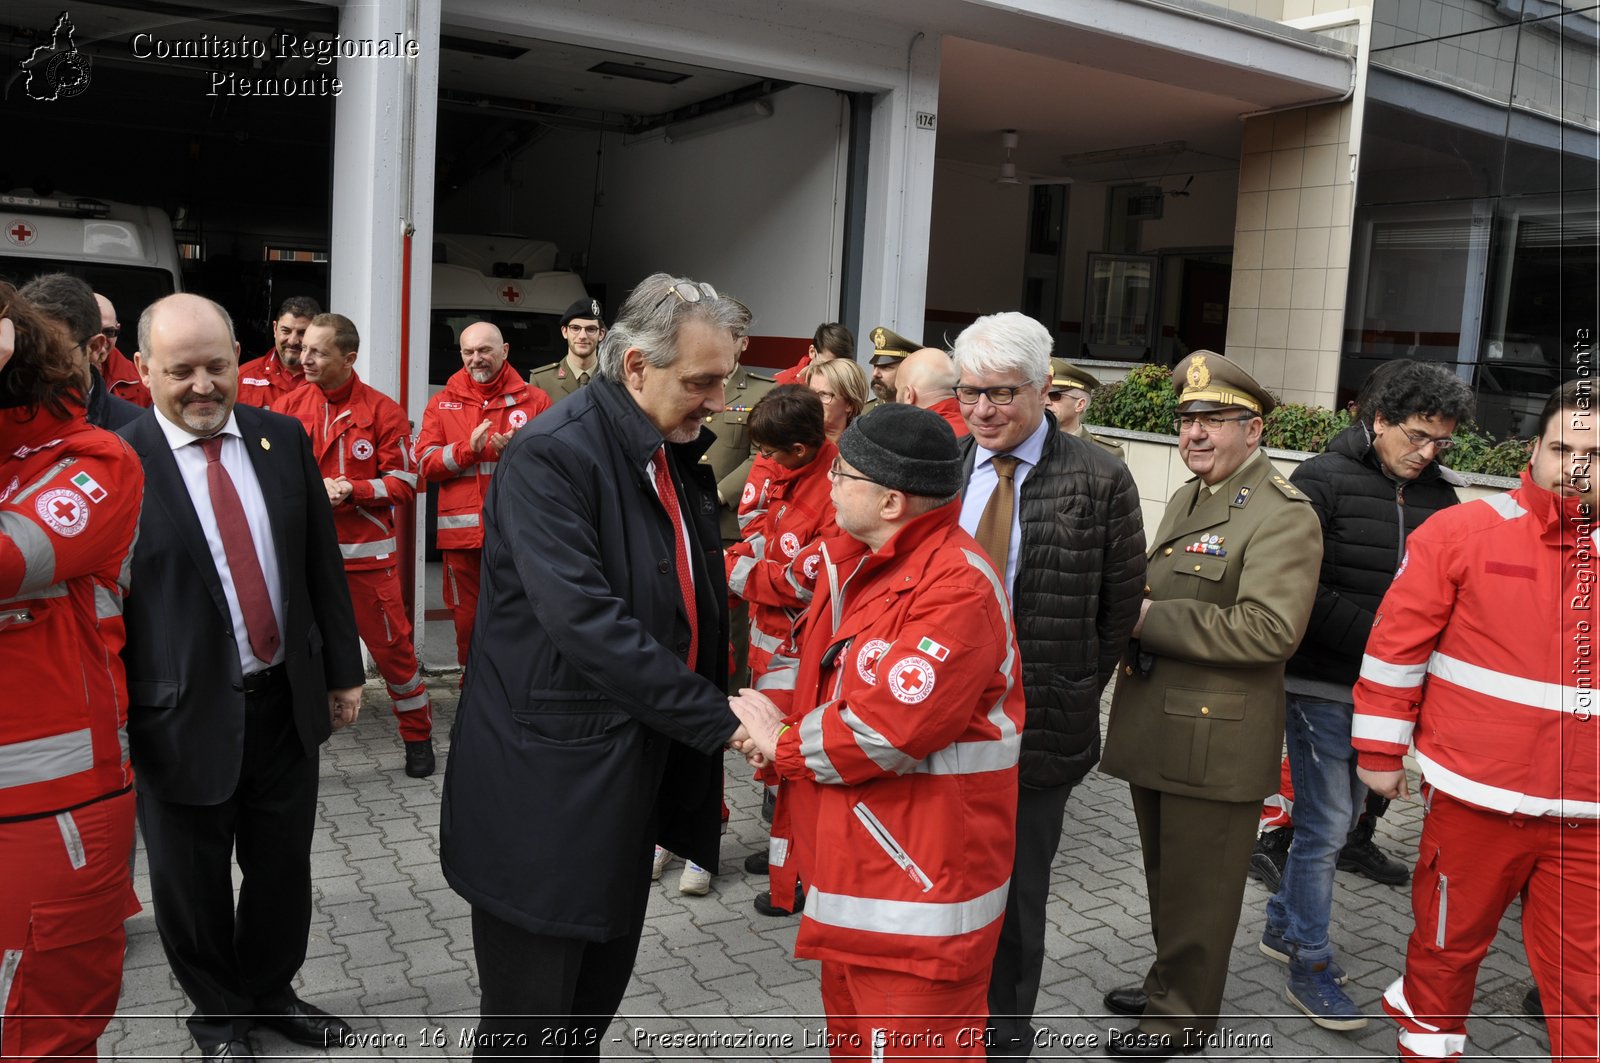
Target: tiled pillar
point(1291, 251)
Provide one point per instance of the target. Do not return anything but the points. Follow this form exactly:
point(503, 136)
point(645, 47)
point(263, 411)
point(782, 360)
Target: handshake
point(760, 723)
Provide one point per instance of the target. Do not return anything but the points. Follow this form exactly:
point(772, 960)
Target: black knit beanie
point(906, 448)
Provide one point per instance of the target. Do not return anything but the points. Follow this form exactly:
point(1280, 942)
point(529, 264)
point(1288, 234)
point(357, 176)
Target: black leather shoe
point(419, 758)
point(757, 863)
point(1269, 856)
point(1132, 1044)
point(764, 905)
point(307, 1024)
point(1128, 1000)
point(237, 1050)
point(1365, 858)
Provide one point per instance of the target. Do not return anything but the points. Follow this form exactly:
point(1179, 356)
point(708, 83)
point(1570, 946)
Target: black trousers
point(238, 962)
point(546, 996)
point(1019, 958)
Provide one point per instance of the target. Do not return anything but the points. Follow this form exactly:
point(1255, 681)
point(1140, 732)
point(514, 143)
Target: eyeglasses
point(1208, 422)
point(825, 396)
point(587, 330)
point(999, 396)
point(1419, 440)
point(1055, 396)
point(690, 292)
point(839, 474)
point(768, 453)
point(112, 333)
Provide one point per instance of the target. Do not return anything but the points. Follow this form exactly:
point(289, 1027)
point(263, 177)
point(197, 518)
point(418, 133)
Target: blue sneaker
point(1312, 989)
point(1273, 947)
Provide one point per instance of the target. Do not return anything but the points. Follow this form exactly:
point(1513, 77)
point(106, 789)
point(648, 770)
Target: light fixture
point(737, 115)
point(1008, 169)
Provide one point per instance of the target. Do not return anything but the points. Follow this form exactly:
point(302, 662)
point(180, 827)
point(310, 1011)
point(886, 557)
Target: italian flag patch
point(89, 486)
point(933, 649)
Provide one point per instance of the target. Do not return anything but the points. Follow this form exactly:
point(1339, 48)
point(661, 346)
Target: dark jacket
point(582, 738)
point(1079, 582)
point(1366, 515)
point(106, 410)
point(186, 704)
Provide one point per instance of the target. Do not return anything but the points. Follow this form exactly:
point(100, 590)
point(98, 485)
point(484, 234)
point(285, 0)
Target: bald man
point(121, 378)
point(927, 378)
point(464, 429)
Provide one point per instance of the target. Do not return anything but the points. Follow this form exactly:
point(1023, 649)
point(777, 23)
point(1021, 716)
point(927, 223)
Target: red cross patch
point(789, 543)
point(21, 233)
point(867, 660)
point(911, 679)
point(511, 294)
point(64, 510)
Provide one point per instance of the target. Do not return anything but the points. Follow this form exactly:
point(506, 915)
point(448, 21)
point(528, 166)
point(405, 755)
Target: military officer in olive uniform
point(583, 328)
point(1196, 724)
point(889, 349)
point(1068, 397)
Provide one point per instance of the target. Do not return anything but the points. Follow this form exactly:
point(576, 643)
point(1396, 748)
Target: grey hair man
point(1075, 587)
point(595, 713)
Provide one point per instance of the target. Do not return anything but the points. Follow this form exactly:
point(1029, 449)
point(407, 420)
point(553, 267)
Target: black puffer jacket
point(1079, 582)
point(1366, 515)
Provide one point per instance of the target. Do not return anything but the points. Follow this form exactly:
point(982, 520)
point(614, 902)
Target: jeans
point(1327, 796)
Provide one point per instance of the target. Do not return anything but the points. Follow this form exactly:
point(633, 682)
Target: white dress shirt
point(982, 485)
point(191, 459)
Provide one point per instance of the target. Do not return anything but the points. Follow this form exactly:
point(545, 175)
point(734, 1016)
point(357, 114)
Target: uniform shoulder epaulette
point(764, 378)
point(1290, 491)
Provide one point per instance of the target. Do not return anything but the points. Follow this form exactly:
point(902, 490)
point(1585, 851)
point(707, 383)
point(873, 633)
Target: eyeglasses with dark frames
point(999, 396)
point(839, 474)
point(112, 333)
point(1210, 423)
point(587, 330)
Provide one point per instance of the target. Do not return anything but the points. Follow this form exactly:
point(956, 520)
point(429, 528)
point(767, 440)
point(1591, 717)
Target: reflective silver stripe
point(1382, 729)
point(1505, 505)
point(1399, 676)
point(874, 746)
point(1433, 1044)
point(801, 591)
point(399, 689)
point(782, 674)
point(746, 518)
point(811, 749)
point(125, 575)
point(122, 746)
point(45, 759)
point(484, 468)
point(50, 474)
point(379, 488)
point(930, 919)
point(107, 603)
point(1507, 687)
point(55, 590)
point(763, 641)
point(460, 520)
point(423, 456)
point(401, 475)
point(973, 758)
point(73, 840)
point(38, 553)
point(741, 574)
point(1499, 799)
point(411, 704)
point(449, 458)
point(377, 549)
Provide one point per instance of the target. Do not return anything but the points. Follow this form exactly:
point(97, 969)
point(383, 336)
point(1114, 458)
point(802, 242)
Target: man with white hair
point(1075, 587)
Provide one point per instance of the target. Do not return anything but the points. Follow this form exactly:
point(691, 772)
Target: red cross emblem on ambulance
point(21, 233)
point(511, 294)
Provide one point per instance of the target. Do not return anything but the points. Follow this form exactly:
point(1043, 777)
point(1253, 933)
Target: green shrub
point(1295, 426)
point(1477, 451)
point(1144, 402)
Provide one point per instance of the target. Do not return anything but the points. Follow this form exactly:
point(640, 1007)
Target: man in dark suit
point(242, 657)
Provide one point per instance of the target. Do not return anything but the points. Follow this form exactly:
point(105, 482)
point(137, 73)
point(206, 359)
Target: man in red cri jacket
point(464, 429)
point(904, 713)
point(359, 438)
point(1481, 655)
point(269, 380)
point(69, 509)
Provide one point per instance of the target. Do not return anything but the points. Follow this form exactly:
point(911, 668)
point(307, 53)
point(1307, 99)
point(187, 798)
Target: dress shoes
point(764, 905)
point(1133, 1044)
point(1128, 1000)
point(307, 1024)
point(237, 1050)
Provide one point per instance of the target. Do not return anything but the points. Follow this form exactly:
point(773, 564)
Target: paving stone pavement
point(391, 944)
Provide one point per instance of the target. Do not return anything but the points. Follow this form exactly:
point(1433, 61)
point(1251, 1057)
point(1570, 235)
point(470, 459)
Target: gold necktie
point(994, 526)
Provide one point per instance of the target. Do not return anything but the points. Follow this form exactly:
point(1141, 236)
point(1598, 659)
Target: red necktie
point(669, 499)
point(249, 585)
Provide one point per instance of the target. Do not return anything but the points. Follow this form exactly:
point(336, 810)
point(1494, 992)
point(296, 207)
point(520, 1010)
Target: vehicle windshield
point(130, 288)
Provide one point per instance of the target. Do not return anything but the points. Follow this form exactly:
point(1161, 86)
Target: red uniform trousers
point(878, 1014)
point(61, 936)
point(1472, 864)
point(461, 595)
point(1277, 811)
point(382, 623)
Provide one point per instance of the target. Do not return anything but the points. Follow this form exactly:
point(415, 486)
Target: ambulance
point(509, 280)
point(126, 253)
